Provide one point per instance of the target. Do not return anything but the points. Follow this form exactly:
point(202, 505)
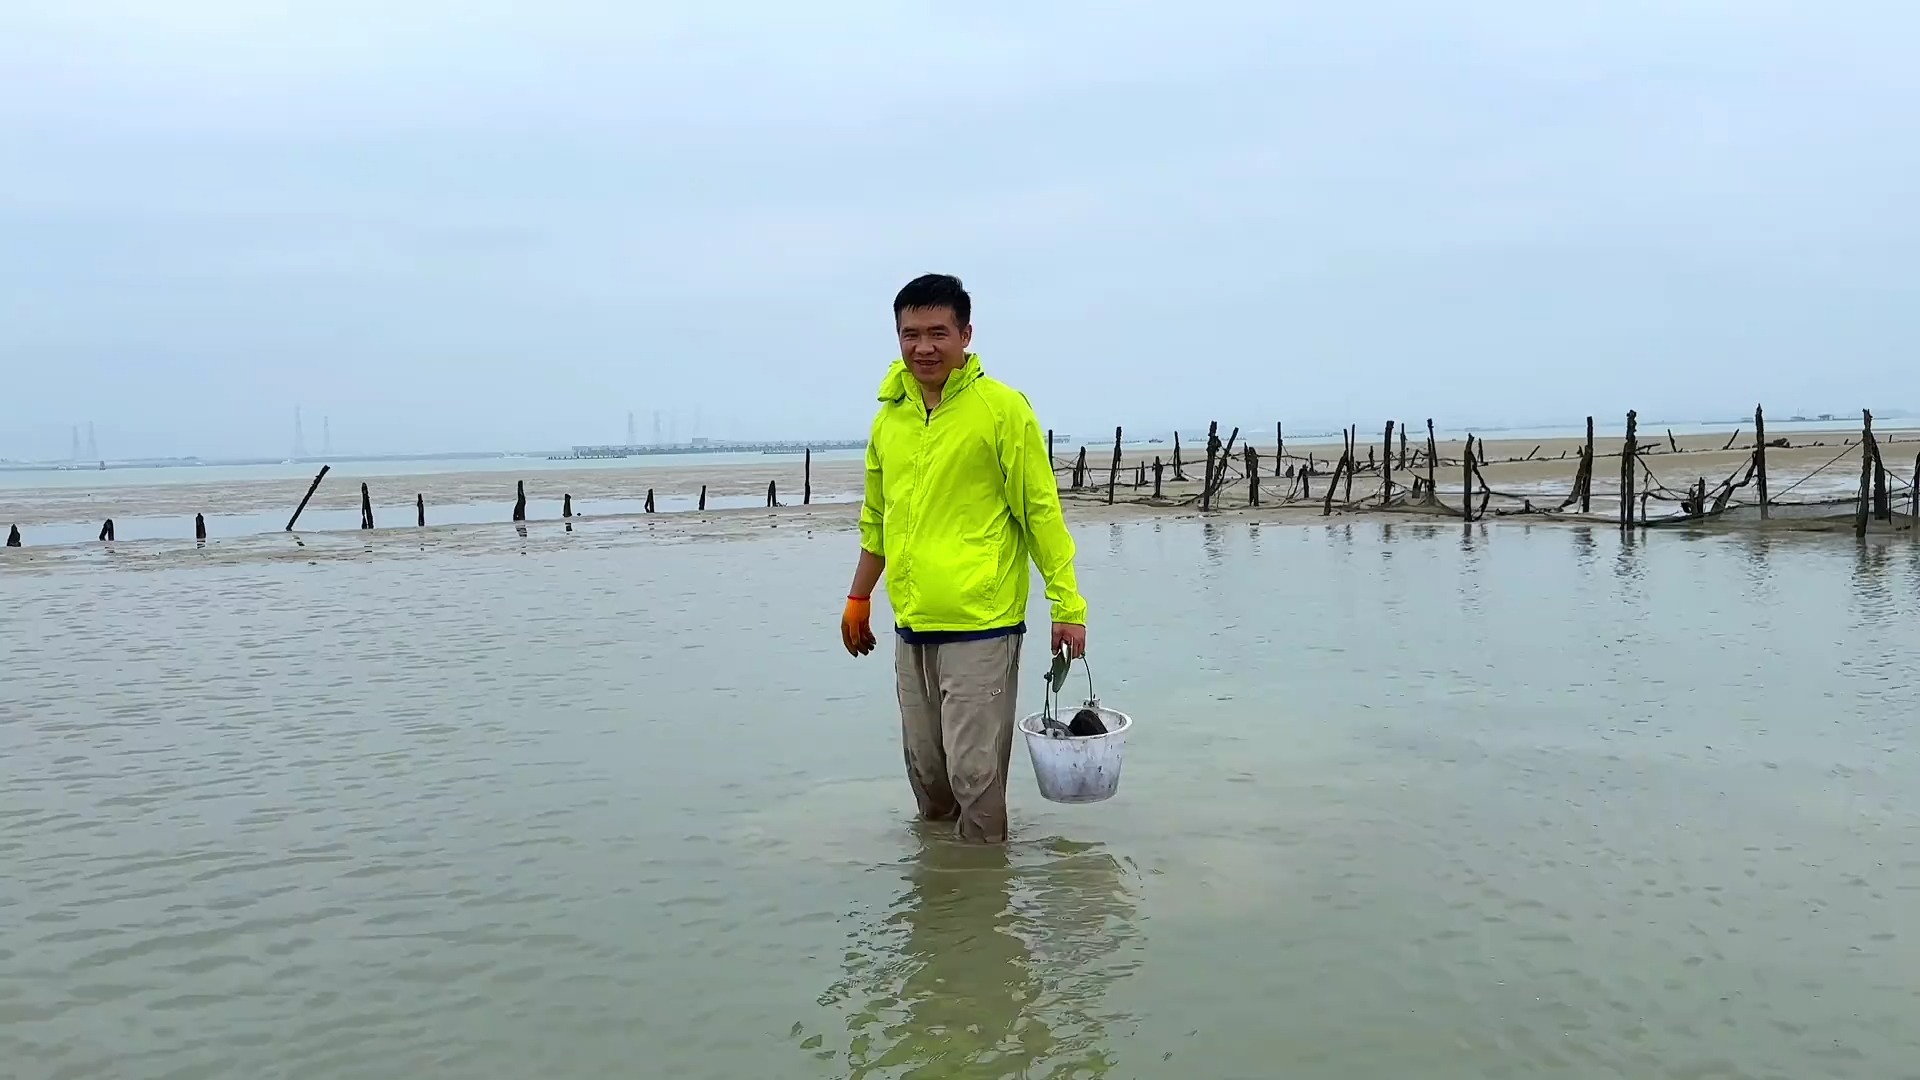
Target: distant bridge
point(708, 447)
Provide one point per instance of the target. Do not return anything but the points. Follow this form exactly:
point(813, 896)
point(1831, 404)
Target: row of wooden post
point(1875, 497)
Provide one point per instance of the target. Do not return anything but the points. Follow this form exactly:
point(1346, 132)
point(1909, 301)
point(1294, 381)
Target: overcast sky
point(500, 224)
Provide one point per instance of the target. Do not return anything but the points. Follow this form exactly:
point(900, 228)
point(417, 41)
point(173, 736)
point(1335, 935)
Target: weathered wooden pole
point(1333, 484)
point(1403, 446)
point(1862, 512)
point(1672, 444)
point(311, 488)
point(1915, 492)
point(806, 490)
point(199, 526)
point(1206, 482)
point(1629, 464)
point(13, 536)
point(648, 507)
point(1159, 468)
point(773, 498)
point(1882, 498)
point(1386, 468)
point(1080, 470)
point(1140, 475)
point(1586, 473)
point(1179, 474)
point(1113, 470)
point(1050, 449)
point(106, 530)
point(1466, 483)
point(1353, 460)
point(1433, 460)
point(566, 505)
point(520, 500)
point(1279, 447)
point(366, 508)
point(1253, 476)
point(1760, 459)
point(420, 509)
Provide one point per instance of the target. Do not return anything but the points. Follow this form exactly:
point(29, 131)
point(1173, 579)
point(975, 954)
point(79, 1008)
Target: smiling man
point(960, 494)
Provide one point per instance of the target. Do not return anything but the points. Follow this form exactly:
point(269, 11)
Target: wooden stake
point(1586, 473)
point(806, 490)
point(1671, 444)
point(1333, 485)
point(1386, 468)
point(520, 500)
point(1159, 468)
point(1629, 463)
point(420, 509)
point(13, 536)
point(366, 508)
point(1113, 470)
point(566, 505)
point(1279, 447)
point(1866, 473)
point(1050, 458)
point(200, 527)
point(1253, 476)
point(773, 498)
point(1353, 460)
point(106, 530)
point(1882, 499)
point(1433, 455)
point(1760, 459)
point(311, 488)
point(648, 507)
point(1080, 470)
point(1178, 473)
point(1466, 483)
point(1213, 450)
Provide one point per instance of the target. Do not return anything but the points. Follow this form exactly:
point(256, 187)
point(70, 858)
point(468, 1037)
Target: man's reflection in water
point(993, 962)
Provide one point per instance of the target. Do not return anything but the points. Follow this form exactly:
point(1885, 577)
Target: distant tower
point(75, 456)
point(630, 435)
point(93, 448)
point(326, 435)
point(299, 435)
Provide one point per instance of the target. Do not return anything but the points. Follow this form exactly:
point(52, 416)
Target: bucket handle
point(1050, 721)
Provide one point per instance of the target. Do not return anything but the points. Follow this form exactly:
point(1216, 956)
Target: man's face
point(933, 344)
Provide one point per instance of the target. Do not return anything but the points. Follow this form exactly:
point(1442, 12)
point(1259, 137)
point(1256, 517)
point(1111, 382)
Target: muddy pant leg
point(978, 681)
point(916, 677)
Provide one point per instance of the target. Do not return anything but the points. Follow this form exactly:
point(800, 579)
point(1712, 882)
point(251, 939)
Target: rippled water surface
point(1401, 801)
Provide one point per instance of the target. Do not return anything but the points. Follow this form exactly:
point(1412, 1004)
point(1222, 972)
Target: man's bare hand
point(1072, 637)
point(856, 626)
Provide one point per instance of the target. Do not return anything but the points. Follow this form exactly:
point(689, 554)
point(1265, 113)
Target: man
point(959, 494)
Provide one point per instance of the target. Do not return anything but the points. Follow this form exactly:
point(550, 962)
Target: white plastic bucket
point(1078, 770)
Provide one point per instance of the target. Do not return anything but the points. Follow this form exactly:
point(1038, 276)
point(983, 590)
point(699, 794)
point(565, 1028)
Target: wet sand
point(608, 501)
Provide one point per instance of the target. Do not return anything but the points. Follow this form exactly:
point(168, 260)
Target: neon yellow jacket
point(958, 499)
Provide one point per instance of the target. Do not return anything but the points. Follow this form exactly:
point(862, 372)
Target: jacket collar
point(899, 383)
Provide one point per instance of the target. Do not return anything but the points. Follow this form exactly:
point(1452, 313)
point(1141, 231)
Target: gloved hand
point(856, 626)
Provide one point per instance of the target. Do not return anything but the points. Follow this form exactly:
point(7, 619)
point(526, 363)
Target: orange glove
point(856, 626)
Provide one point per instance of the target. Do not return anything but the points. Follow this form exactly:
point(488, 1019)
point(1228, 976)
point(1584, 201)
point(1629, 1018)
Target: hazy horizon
point(462, 226)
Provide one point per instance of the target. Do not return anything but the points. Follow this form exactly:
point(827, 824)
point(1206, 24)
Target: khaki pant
point(956, 726)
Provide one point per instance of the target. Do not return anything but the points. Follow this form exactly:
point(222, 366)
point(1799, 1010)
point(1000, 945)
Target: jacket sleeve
point(1033, 495)
point(873, 507)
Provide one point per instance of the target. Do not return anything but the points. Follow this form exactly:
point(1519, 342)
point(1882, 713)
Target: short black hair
point(935, 291)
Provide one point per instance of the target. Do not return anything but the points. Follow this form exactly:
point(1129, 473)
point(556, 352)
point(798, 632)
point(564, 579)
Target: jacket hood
point(898, 382)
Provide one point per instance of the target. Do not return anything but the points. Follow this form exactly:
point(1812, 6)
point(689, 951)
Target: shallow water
point(1401, 801)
